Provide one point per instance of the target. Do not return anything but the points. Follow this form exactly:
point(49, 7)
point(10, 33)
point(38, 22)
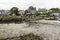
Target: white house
point(21, 12)
point(42, 10)
point(32, 11)
point(4, 12)
point(56, 15)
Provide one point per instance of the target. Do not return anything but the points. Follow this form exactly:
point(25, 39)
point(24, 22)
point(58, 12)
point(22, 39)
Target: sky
point(24, 4)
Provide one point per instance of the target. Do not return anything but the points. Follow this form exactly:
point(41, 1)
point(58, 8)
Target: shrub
point(10, 19)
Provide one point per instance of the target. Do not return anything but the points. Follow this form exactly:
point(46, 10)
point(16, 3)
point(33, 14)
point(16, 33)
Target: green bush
point(10, 19)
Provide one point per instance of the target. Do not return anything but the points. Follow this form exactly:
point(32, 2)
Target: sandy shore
point(47, 29)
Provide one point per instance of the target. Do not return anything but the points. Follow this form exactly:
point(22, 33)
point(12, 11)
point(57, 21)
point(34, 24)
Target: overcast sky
point(24, 4)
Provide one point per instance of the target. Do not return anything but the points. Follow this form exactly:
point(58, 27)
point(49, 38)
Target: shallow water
point(49, 30)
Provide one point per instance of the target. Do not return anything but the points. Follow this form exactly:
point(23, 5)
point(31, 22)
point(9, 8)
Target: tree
point(32, 8)
point(14, 10)
point(55, 9)
point(26, 11)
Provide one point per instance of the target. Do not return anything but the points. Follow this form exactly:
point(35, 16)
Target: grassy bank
point(10, 19)
point(19, 19)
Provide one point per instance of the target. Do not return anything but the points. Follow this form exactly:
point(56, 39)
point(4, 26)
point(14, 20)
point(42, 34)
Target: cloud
point(24, 4)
